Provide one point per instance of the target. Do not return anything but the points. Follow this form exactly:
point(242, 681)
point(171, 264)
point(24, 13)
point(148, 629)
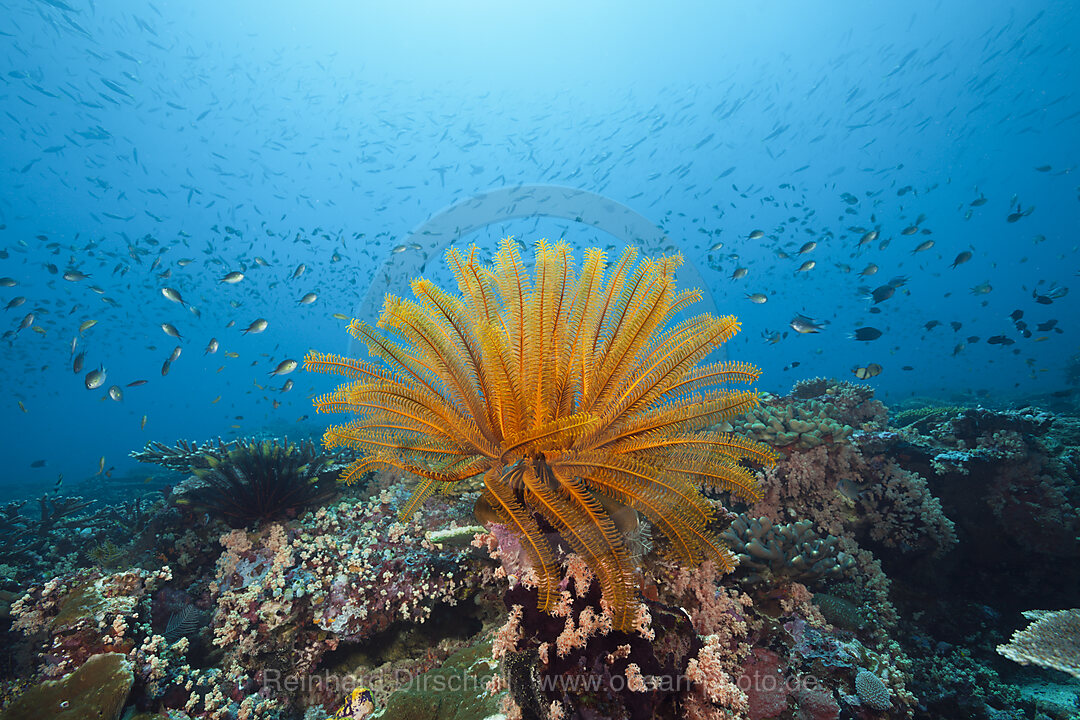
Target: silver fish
point(95, 378)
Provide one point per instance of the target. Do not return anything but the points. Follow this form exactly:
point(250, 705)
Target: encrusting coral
point(97, 689)
point(569, 392)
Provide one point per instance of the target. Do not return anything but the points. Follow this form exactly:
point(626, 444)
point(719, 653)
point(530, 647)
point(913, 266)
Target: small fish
point(38, 464)
point(175, 354)
point(806, 266)
point(77, 363)
point(757, 298)
point(1015, 216)
point(215, 400)
point(868, 237)
point(23, 407)
point(865, 373)
point(95, 378)
point(142, 423)
point(339, 316)
point(739, 273)
point(807, 247)
point(866, 334)
point(299, 271)
point(86, 325)
point(27, 321)
point(232, 278)
point(923, 246)
point(231, 354)
point(307, 299)
point(173, 295)
point(257, 326)
point(982, 289)
point(74, 275)
point(8, 282)
point(802, 324)
point(869, 270)
point(101, 465)
point(882, 293)
point(910, 230)
point(284, 367)
point(165, 366)
point(211, 347)
point(136, 383)
point(115, 393)
point(757, 234)
point(287, 386)
point(15, 302)
point(399, 249)
point(171, 331)
point(962, 258)
point(1000, 340)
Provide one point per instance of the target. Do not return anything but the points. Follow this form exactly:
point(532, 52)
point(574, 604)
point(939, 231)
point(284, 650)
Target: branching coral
point(817, 412)
point(184, 456)
point(792, 551)
point(569, 392)
point(23, 535)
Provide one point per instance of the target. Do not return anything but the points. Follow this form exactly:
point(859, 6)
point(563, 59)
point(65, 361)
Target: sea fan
point(574, 394)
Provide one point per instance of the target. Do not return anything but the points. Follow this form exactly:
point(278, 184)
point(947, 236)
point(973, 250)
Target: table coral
point(1052, 640)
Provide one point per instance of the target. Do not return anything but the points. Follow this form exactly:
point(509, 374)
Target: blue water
point(327, 136)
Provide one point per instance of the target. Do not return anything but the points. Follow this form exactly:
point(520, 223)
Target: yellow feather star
point(568, 391)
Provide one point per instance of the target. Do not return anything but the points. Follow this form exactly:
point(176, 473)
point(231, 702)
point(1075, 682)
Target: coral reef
point(64, 534)
point(868, 586)
point(284, 597)
point(818, 412)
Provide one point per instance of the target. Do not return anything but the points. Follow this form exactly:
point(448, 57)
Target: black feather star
point(258, 481)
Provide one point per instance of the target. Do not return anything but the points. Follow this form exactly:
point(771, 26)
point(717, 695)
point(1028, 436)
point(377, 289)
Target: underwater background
point(887, 196)
point(324, 136)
